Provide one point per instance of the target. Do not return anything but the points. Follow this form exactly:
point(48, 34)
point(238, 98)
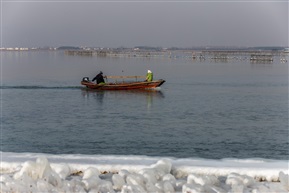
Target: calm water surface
point(208, 109)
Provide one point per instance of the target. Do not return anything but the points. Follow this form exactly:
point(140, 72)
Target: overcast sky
point(143, 23)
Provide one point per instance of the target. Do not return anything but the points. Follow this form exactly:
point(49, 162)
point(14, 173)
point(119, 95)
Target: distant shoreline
point(263, 56)
point(153, 49)
point(255, 55)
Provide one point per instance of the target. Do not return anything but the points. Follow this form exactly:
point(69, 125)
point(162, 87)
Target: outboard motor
point(85, 79)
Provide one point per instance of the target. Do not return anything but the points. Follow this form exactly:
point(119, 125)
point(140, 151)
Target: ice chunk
point(163, 165)
point(73, 185)
point(91, 182)
point(118, 181)
point(103, 186)
point(124, 173)
point(89, 172)
point(202, 180)
point(214, 189)
point(192, 188)
point(132, 189)
point(170, 178)
point(135, 179)
point(237, 188)
point(43, 186)
point(275, 187)
point(150, 187)
point(27, 181)
point(63, 170)
point(53, 178)
point(284, 180)
point(165, 186)
point(237, 179)
point(4, 188)
point(43, 167)
point(168, 187)
point(5, 178)
point(33, 171)
point(149, 174)
point(30, 168)
point(260, 189)
point(179, 184)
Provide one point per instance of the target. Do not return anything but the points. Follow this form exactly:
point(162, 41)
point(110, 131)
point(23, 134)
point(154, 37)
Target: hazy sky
point(147, 23)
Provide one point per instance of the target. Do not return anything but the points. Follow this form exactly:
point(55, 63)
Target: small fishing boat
point(121, 83)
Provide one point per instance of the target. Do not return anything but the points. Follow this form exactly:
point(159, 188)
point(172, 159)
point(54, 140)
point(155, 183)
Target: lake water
point(207, 109)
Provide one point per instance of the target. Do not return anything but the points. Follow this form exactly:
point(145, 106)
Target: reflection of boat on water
point(141, 92)
point(124, 85)
point(107, 96)
point(145, 92)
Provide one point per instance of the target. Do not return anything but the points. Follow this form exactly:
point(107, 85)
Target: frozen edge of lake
point(263, 169)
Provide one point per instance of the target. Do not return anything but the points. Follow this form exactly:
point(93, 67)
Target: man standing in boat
point(149, 76)
point(99, 78)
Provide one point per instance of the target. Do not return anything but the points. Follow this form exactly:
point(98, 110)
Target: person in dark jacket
point(99, 78)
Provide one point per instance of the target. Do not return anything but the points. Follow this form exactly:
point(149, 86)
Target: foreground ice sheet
point(26, 172)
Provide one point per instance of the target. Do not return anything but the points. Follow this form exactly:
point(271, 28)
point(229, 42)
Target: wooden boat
point(124, 84)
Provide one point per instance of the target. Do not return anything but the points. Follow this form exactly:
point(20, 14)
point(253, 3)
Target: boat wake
point(32, 87)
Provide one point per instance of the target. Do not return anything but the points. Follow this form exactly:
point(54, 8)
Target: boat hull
point(124, 85)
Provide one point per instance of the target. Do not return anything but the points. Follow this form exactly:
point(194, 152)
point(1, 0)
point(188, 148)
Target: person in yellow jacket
point(149, 76)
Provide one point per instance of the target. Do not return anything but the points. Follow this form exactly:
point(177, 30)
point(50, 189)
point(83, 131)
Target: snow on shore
point(30, 172)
